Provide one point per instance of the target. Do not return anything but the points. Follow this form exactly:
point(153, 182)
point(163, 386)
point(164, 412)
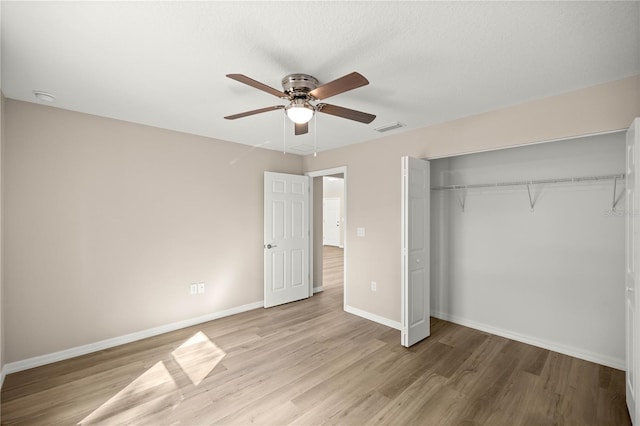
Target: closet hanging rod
point(529, 182)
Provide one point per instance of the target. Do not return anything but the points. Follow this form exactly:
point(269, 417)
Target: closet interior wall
point(553, 275)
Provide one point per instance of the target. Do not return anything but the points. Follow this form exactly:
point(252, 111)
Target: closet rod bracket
point(531, 202)
point(615, 201)
point(462, 199)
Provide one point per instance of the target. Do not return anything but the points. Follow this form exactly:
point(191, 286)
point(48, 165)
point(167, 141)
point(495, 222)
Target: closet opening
point(333, 231)
point(529, 243)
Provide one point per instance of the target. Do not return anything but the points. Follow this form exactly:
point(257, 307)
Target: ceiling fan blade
point(302, 128)
point(349, 114)
point(340, 85)
point(256, 84)
point(255, 111)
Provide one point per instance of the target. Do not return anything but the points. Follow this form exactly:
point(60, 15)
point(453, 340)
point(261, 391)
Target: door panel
point(277, 275)
point(286, 238)
point(416, 296)
point(278, 218)
point(297, 268)
point(415, 250)
point(331, 222)
point(298, 219)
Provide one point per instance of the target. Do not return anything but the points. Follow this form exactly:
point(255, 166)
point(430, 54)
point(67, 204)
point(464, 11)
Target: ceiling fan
point(302, 91)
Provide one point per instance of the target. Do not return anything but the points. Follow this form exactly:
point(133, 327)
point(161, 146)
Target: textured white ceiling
point(164, 63)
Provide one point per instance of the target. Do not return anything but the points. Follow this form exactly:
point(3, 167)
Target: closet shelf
point(530, 182)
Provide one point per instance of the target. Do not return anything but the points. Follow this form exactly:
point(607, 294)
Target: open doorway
point(329, 224)
point(332, 231)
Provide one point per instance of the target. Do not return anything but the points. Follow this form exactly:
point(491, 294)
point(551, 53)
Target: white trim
point(311, 271)
point(541, 343)
point(37, 361)
point(373, 317)
point(3, 374)
point(327, 172)
point(404, 229)
point(317, 289)
point(525, 144)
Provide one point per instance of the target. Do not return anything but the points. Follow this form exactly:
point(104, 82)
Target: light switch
point(360, 232)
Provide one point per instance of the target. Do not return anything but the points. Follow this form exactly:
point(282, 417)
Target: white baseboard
point(317, 289)
point(14, 367)
point(3, 374)
point(373, 317)
point(541, 343)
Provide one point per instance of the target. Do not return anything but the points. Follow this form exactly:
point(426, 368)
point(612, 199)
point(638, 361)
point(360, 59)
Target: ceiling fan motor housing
point(299, 85)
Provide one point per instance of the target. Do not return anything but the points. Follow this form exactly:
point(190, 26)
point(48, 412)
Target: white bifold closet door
point(415, 308)
point(632, 273)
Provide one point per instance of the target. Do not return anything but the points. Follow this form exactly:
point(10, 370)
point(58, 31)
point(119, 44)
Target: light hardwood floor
point(332, 267)
point(311, 363)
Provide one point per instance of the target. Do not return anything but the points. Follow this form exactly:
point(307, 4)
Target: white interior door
point(632, 273)
point(415, 251)
point(331, 222)
point(286, 238)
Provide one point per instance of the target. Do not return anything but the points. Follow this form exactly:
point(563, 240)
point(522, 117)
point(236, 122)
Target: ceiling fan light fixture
point(300, 111)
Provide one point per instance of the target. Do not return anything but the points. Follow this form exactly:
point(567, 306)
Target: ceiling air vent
point(389, 127)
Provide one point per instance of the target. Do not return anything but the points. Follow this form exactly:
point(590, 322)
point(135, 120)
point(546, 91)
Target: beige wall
point(374, 172)
point(108, 222)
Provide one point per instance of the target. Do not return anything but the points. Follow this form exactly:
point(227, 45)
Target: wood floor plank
point(310, 362)
point(332, 267)
point(406, 406)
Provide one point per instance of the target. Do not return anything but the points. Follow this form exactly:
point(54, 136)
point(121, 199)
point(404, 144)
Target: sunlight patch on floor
point(154, 395)
point(197, 357)
point(148, 397)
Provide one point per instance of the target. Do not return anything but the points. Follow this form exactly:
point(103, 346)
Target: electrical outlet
point(193, 289)
point(200, 287)
point(374, 286)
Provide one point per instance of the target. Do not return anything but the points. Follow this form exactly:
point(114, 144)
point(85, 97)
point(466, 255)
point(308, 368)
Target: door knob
point(269, 246)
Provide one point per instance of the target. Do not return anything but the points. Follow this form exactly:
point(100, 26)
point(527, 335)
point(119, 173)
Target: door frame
point(321, 173)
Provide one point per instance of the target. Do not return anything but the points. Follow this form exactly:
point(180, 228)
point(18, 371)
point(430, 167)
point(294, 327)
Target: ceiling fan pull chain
point(284, 133)
point(315, 135)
